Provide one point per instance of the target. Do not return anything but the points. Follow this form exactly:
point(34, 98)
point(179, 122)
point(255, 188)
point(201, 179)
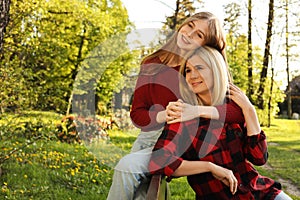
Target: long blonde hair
point(216, 63)
point(215, 38)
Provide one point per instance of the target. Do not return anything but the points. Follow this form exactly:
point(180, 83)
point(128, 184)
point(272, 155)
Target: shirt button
point(241, 185)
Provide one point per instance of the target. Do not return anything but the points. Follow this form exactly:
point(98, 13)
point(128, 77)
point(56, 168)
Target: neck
point(205, 99)
point(182, 52)
point(172, 60)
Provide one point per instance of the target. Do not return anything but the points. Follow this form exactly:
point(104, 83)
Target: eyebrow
point(198, 29)
point(197, 66)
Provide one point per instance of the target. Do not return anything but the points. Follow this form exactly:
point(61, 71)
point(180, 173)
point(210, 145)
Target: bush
point(28, 125)
point(122, 119)
point(74, 129)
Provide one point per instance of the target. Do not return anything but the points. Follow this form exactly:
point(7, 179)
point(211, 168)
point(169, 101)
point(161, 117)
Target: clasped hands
point(179, 111)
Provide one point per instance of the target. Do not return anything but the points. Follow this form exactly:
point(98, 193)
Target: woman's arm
point(151, 97)
point(255, 149)
point(187, 168)
point(166, 157)
point(251, 119)
point(229, 112)
point(143, 113)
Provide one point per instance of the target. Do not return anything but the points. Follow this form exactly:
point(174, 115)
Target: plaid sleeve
point(166, 155)
point(230, 112)
point(256, 150)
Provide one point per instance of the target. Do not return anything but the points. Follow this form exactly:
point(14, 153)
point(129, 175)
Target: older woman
point(198, 148)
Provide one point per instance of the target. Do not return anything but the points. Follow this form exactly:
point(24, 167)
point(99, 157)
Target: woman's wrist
point(209, 112)
point(211, 167)
point(251, 118)
point(161, 117)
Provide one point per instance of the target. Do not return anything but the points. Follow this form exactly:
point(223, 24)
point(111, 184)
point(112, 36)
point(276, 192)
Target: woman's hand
point(238, 96)
point(180, 112)
point(173, 111)
point(226, 176)
point(187, 112)
point(251, 118)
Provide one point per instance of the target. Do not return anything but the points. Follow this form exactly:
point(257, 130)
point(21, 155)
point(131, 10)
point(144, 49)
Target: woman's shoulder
point(152, 60)
point(152, 66)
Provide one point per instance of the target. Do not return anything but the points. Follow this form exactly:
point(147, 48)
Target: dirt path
point(288, 186)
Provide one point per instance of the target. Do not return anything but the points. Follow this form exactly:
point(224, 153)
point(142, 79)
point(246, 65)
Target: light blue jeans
point(131, 176)
point(282, 196)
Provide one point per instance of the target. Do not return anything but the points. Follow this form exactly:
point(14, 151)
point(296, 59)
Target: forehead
point(196, 60)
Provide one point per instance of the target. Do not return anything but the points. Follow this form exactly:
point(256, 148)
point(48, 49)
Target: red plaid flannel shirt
point(226, 145)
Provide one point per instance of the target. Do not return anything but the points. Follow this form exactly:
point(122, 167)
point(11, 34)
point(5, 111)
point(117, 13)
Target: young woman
point(194, 148)
point(157, 101)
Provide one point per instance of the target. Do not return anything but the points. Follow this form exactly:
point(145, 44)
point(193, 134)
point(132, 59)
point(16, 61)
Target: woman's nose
point(190, 34)
point(194, 74)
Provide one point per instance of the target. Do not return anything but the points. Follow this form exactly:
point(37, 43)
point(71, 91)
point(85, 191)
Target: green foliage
point(45, 45)
point(24, 129)
point(237, 59)
point(73, 129)
point(28, 125)
point(238, 66)
point(183, 9)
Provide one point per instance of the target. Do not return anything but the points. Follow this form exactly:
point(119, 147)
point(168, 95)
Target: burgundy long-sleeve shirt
point(153, 93)
point(226, 145)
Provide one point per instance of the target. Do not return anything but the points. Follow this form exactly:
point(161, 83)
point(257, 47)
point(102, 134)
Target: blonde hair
point(216, 63)
point(214, 38)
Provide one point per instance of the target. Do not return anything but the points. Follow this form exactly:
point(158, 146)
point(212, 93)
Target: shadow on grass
point(292, 145)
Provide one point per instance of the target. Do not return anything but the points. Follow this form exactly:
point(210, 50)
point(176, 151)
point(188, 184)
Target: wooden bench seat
point(158, 188)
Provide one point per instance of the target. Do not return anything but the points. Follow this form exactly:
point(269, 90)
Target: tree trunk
point(289, 99)
point(118, 104)
point(270, 99)
point(4, 19)
point(175, 19)
point(264, 71)
point(75, 70)
point(250, 68)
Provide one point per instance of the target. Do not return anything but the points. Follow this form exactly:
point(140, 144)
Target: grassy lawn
point(49, 169)
point(284, 151)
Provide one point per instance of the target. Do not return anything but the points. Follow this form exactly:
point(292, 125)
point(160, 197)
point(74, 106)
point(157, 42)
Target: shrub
point(30, 124)
point(74, 129)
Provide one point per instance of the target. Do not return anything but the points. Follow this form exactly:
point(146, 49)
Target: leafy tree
point(237, 54)
point(236, 44)
point(264, 70)
point(183, 9)
point(46, 43)
point(4, 18)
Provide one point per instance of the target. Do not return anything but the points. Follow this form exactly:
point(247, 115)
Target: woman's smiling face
point(192, 35)
point(199, 77)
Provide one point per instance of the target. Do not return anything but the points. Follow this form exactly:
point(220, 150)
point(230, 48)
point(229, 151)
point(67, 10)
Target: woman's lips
point(185, 40)
point(196, 83)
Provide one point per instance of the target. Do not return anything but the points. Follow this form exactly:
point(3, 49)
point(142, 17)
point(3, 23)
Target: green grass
point(54, 170)
point(49, 169)
point(284, 151)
